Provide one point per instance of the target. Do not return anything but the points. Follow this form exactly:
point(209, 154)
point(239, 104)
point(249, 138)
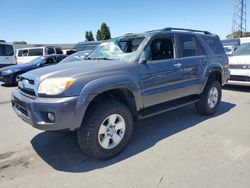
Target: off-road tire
point(87, 134)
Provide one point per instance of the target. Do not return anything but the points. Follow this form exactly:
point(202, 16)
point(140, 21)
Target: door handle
point(203, 61)
point(177, 65)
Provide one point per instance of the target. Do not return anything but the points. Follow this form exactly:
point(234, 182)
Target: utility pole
point(239, 18)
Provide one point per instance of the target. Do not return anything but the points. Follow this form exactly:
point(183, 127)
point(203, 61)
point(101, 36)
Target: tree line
point(102, 34)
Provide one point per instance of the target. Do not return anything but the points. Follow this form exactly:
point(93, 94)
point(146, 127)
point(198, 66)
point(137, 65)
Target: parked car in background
point(25, 55)
point(239, 66)
point(9, 75)
point(7, 56)
point(68, 51)
point(230, 45)
point(131, 77)
point(89, 45)
point(78, 56)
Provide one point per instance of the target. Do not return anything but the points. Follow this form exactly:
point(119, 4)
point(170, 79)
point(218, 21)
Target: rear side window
point(188, 46)
point(215, 44)
point(6, 50)
point(50, 50)
point(59, 51)
point(36, 52)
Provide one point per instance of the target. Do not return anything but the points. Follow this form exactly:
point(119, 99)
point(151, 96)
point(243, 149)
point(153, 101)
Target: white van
point(7, 56)
point(25, 55)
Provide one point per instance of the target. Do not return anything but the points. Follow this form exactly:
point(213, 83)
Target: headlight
point(55, 86)
point(7, 72)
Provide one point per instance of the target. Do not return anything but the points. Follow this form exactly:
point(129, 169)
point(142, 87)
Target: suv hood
point(78, 69)
point(239, 59)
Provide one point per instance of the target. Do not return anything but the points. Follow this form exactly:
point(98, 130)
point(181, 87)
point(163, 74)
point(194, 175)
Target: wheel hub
point(213, 97)
point(111, 131)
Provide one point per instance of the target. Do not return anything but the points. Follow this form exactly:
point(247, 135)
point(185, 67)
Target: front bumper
point(239, 77)
point(68, 112)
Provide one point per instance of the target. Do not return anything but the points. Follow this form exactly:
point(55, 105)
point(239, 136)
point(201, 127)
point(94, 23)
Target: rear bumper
point(68, 112)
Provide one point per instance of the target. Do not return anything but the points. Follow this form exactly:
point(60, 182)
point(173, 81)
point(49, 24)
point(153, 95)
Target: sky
point(65, 21)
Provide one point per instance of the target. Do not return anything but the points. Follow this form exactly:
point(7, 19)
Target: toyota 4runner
point(131, 77)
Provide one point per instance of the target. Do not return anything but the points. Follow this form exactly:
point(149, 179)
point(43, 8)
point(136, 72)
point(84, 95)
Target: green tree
point(103, 33)
point(19, 42)
point(238, 34)
point(98, 35)
point(89, 36)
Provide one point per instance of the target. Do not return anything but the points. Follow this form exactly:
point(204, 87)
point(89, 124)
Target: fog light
point(51, 117)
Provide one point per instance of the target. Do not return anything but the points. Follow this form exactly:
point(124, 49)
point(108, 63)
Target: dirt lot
point(176, 149)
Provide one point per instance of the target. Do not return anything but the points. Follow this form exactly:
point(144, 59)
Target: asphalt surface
point(175, 149)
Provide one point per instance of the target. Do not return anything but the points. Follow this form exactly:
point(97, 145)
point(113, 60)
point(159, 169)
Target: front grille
point(21, 106)
point(240, 78)
point(239, 66)
point(28, 91)
point(26, 86)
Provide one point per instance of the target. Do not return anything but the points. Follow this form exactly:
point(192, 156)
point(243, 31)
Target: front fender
point(100, 85)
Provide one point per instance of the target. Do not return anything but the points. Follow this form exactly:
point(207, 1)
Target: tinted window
point(59, 51)
point(188, 45)
point(215, 44)
point(159, 49)
point(22, 53)
point(50, 60)
point(6, 50)
point(50, 50)
point(36, 52)
point(59, 58)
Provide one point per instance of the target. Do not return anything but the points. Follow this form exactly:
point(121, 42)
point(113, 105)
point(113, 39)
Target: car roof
point(168, 30)
point(37, 47)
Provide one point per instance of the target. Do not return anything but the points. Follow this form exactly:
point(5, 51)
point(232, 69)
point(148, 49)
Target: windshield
point(121, 49)
point(243, 49)
point(78, 56)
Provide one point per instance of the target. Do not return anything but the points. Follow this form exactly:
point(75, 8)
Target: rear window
point(215, 44)
point(6, 50)
point(36, 52)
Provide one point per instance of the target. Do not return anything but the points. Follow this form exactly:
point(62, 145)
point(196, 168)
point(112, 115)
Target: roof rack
point(182, 29)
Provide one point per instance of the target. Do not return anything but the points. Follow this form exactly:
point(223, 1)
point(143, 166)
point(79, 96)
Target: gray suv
point(131, 77)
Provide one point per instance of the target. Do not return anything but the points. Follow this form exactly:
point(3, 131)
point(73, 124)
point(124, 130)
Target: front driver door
point(162, 75)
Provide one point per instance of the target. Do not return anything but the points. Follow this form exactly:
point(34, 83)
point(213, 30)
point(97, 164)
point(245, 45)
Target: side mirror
point(142, 59)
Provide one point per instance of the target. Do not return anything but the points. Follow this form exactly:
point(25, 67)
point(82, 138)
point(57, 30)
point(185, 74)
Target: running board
point(167, 106)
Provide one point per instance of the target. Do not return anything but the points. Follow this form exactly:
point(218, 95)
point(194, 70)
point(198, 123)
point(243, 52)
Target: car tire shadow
point(60, 150)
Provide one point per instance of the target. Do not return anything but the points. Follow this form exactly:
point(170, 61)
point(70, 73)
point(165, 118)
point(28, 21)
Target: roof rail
point(182, 29)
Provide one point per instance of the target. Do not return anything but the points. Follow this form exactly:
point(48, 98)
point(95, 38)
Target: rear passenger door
point(193, 61)
point(161, 76)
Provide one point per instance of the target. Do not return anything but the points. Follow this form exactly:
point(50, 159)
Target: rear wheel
point(210, 98)
point(106, 129)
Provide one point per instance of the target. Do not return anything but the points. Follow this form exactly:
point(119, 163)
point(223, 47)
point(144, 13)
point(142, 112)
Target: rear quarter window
point(6, 50)
point(215, 44)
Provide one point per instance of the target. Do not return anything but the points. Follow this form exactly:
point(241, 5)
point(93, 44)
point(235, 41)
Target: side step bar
point(167, 106)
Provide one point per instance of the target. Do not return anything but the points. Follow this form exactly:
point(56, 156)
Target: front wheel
point(106, 129)
point(210, 98)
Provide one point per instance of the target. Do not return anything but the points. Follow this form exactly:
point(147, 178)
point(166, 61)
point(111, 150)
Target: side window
point(215, 44)
point(50, 61)
point(36, 52)
point(50, 50)
point(59, 58)
point(58, 51)
point(22, 53)
point(159, 49)
point(188, 46)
